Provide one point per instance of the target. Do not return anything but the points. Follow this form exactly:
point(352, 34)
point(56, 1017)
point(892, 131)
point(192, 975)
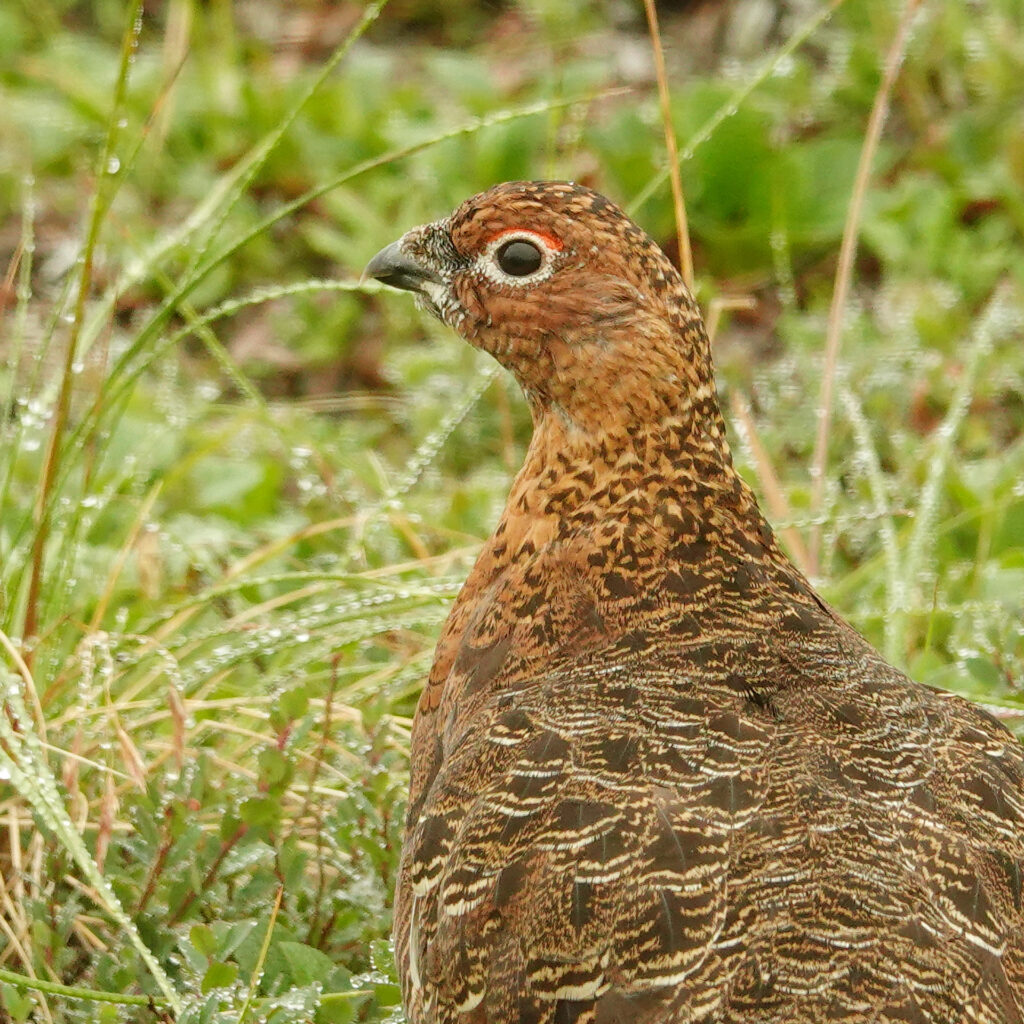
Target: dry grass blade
point(102, 198)
point(727, 109)
point(14, 923)
point(23, 758)
point(264, 949)
point(896, 581)
point(775, 495)
point(8, 283)
point(778, 504)
point(844, 272)
point(678, 202)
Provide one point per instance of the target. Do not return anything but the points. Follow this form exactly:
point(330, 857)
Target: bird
point(654, 777)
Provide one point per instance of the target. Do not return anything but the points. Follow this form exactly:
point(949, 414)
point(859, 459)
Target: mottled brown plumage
point(654, 777)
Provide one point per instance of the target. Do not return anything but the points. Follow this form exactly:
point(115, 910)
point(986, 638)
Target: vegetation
point(238, 488)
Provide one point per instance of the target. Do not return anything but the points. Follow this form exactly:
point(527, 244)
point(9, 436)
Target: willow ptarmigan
point(655, 778)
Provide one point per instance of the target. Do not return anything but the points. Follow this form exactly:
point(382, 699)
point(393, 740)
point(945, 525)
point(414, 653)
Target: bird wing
point(631, 837)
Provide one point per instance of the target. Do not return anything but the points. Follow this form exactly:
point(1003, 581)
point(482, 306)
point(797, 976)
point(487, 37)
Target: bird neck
point(673, 473)
point(644, 500)
point(639, 375)
point(592, 461)
point(628, 454)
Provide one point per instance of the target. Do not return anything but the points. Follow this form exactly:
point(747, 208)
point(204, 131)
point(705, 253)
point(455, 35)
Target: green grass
point(238, 489)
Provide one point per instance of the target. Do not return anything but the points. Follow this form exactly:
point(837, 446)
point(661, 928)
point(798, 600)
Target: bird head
point(563, 289)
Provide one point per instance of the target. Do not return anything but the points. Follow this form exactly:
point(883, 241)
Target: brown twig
point(844, 273)
point(211, 875)
point(682, 227)
point(318, 760)
point(157, 867)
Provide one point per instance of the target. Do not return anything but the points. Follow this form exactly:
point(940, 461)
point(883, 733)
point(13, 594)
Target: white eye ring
point(487, 261)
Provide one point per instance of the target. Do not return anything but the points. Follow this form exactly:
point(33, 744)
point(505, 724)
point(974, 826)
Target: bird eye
point(519, 258)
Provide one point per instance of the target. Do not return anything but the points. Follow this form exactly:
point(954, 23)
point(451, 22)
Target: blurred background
point(238, 489)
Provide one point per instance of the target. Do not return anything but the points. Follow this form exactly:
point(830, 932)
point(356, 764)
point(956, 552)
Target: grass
point(238, 489)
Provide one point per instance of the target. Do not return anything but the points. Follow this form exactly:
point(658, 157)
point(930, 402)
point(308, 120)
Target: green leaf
point(19, 1005)
point(291, 704)
point(261, 811)
point(306, 964)
point(275, 768)
point(219, 975)
point(201, 936)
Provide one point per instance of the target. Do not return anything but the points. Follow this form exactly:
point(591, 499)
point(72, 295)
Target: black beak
point(393, 267)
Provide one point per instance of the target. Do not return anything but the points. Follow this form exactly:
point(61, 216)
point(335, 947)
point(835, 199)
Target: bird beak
point(392, 266)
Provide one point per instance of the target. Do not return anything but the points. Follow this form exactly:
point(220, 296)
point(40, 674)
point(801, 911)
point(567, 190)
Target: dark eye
point(519, 258)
